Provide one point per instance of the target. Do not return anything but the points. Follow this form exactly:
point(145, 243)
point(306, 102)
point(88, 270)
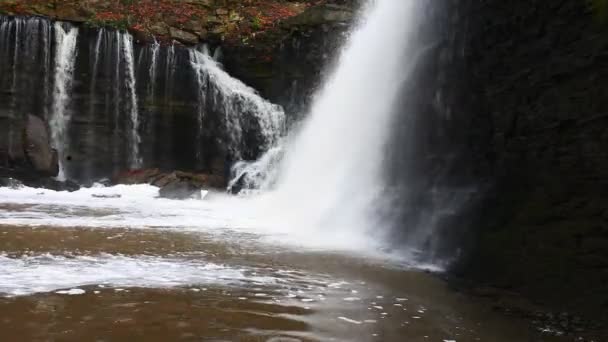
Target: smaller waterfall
point(117, 100)
point(18, 24)
point(202, 82)
point(95, 54)
point(135, 139)
point(169, 70)
point(241, 105)
point(166, 149)
point(65, 57)
point(153, 67)
point(47, 41)
point(25, 67)
point(92, 135)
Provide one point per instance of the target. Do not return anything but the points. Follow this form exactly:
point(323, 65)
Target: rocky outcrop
point(173, 185)
point(286, 63)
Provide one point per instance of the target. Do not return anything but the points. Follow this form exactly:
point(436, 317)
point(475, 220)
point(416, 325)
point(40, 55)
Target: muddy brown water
point(311, 296)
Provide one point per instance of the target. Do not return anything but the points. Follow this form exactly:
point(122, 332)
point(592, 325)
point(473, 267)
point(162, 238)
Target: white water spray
point(331, 176)
point(127, 46)
point(65, 58)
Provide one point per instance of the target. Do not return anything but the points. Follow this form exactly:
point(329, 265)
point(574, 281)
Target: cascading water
point(331, 175)
point(202, 82)
point(25, 64)
point(117, 41)
point(65, 57)
point(239, 103)
point(153, 67)
point(135, 139)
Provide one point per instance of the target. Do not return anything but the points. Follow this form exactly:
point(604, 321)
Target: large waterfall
point(331, 176)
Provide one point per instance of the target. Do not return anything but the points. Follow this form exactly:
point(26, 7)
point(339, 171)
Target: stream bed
point(123, 265)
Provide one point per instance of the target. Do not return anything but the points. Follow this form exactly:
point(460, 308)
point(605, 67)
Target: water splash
point(65, 58)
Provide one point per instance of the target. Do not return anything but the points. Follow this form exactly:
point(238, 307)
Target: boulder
point(180, 190)
point(183, 36)
point(142, 176)
point(319, 15)
point(38, 149)
point(53, 184)
point(161, 179)
point(12, 183)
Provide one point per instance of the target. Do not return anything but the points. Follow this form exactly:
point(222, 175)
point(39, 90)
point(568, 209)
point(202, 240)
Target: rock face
point(533, 118)
point(28, 154)
point(286, 64)
point(38, 147)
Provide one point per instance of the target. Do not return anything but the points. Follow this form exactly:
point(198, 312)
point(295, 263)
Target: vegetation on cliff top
point(187, 21)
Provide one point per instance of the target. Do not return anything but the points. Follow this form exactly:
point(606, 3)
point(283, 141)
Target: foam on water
point(139, 207)
point(45, 273)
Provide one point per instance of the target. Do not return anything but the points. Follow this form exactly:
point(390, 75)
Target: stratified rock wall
point(537, 101)
point(283, 63)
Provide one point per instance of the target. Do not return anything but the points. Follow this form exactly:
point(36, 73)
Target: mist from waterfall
point(65, 58)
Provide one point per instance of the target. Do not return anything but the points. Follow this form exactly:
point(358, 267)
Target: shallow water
point(77, 267)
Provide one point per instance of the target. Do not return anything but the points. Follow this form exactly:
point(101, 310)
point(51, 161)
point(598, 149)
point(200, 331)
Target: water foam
point(44, 273)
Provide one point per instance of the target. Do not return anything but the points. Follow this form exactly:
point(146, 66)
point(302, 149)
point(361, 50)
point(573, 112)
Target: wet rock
point(38, 147)
point(10, 183)
point(27, 155)
point(53, 184)
point(162, 179)
point(180, 190)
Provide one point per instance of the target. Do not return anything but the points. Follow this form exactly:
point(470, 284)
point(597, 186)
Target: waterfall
point(47, 42)
point(117, 100)
point(166, 149)
point(331, 176)
point(95, 54)
point(25, 64)
point(202, 82)
point(240, 104)
point(135, 139)
point(17, 28)
point(153, 67)
point(65, 57)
